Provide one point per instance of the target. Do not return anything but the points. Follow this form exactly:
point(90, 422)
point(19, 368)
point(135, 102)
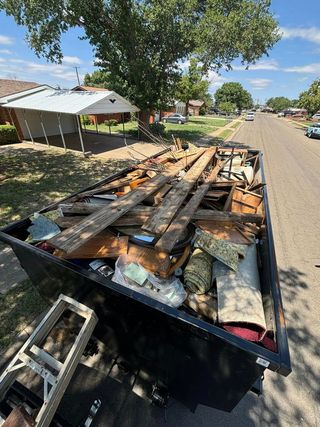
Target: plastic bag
point(42, 228)
point(128, 273)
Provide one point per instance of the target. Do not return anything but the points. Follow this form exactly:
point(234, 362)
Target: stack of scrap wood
point(175, 215)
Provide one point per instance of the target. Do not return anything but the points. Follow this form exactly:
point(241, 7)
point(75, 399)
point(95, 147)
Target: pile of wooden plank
point(156, 212)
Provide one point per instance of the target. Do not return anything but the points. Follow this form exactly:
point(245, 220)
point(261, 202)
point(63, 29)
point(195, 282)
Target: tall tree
point(192, 85)
point(227, 107)
point(310, 99)
point(98, 78)
point(235, 93)
point(279, 103)
point(141, 42)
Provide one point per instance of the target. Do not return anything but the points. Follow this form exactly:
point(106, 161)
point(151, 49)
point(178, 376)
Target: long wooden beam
point(73, 237)
point(179, 224)
point(137, 217)
point(159, 222)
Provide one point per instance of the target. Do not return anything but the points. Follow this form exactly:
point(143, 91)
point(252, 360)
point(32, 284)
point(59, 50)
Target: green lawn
point(225, 133)
point(235, 125)
point(196, 128)
point(18, 308)
point(32, 179)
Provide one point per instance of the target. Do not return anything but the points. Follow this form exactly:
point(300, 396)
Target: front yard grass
point(32, 179)
point(196, 128)
point(18, 308)
point(225, 133)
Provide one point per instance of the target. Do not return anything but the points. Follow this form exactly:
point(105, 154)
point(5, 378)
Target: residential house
point(9, 88)
point(194, 107)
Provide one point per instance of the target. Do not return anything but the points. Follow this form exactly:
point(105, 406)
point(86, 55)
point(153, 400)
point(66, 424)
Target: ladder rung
point(40, 370)
point(46, 357)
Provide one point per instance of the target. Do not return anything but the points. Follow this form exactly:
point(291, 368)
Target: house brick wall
point(101, 118)
point(4, 116)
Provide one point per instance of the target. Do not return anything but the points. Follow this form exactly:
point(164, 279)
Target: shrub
point(202, 111)
point(8, 134)
point(157, 128)
point(111, 122)
point(86, 121)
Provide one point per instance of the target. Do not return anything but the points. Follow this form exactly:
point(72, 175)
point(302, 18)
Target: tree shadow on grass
point(33, 179)
point(18, 308)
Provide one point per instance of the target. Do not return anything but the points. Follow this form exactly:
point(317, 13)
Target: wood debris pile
point(183, 214)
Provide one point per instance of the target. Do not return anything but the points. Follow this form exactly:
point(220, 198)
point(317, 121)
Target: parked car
point(316, 117)
point(250, 116)
point(313, 131)
point(175, 118)
point(281, 114)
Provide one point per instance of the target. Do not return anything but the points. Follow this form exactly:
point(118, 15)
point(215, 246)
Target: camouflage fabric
point(198, 272)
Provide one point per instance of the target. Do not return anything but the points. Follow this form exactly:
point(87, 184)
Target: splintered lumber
point(225, 231)
point(139, 214)
point(81, 208)
point(245, 201)
point(160, 221)
point(103, 245)
point(179, 224)
point(120, 182)
point(73, 237)
point(227, 205)
point(209, 215)
point(228, 183)
point(157, 263)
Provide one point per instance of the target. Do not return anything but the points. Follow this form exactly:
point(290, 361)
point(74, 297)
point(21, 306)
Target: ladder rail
point(54, 386)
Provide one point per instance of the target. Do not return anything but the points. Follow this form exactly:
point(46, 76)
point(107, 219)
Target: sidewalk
point(217, 133)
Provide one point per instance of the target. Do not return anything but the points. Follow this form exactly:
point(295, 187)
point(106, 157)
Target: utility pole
point(76, 68)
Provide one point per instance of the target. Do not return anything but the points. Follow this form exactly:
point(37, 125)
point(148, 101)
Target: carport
point(55, 113)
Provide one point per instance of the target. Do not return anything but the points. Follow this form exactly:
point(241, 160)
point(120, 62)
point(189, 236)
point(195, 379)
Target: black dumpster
point(197, 362)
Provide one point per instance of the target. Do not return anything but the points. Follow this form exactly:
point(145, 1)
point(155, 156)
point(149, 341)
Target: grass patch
point(33, 179)
point(196, 128)
point(18, 308)
point(224, 134)
point(235, 125)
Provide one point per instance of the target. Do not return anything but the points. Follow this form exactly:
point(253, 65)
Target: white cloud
point(6, 51)
point(267, 65)
point(216, 80)
point(35, 70)
point(303, 79)
point(6, 40)
point(259, 83)
point(310, 68)
point(71, 60)
point(311, 34)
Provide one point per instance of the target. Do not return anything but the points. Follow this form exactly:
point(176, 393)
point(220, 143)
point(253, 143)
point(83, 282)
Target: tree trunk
point(144, 121)
point(187, 108)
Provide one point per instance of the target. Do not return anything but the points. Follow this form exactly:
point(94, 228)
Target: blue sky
point(290, 67)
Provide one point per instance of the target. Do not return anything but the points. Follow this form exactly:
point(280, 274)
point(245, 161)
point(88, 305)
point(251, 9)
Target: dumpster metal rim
point(279, 361)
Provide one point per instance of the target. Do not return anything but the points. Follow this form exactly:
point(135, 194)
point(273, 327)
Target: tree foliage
point(227, 107)
point(234, 93)
point(98, 78)
point(193, 85)
point(141, 42)
point(310, 99)
point(279, 103)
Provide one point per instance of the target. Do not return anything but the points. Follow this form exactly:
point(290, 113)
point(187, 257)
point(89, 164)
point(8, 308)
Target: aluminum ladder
point(31, 355)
